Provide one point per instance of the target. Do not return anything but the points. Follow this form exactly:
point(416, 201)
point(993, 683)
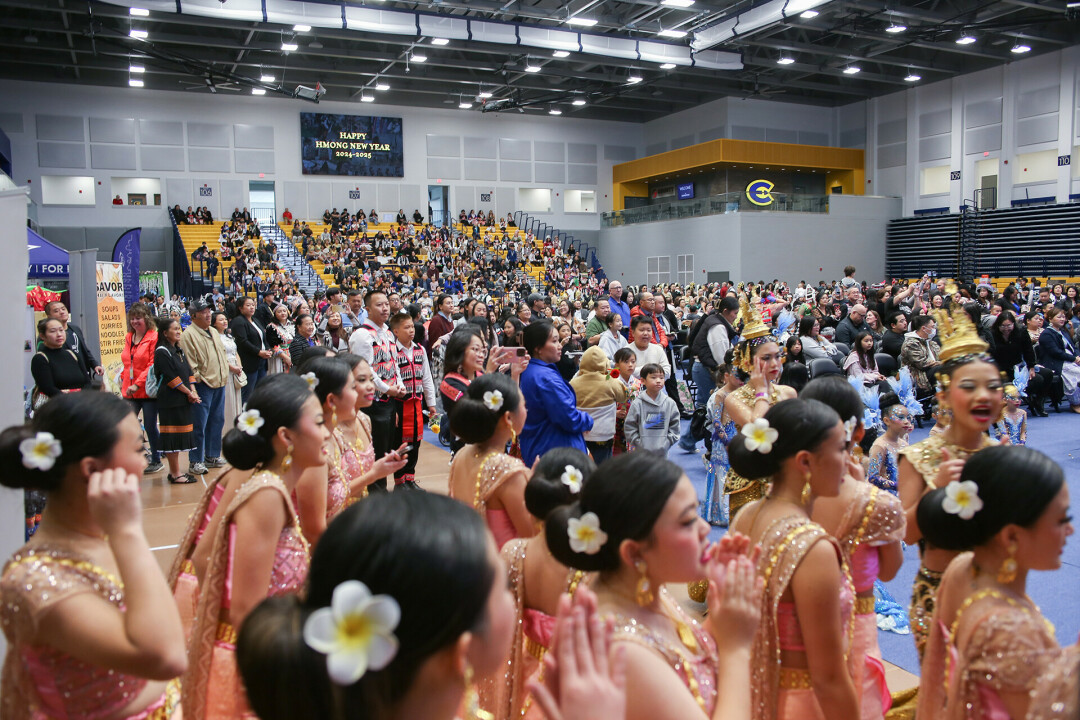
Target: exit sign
point(1064, 160)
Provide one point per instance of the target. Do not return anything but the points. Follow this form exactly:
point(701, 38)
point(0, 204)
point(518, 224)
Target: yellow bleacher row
point(193, 236)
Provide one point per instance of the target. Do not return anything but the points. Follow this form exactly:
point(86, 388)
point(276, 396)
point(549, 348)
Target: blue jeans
point(600, 451)
point(148, 406)
point(208, 417)
point(253, 378)
point(705, 386)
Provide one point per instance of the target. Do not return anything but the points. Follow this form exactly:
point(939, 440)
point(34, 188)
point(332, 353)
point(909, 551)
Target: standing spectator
point(279, 336)
point(175, 396)
point(209, 364)
point(233, 402)
point(415, 374)
point(553, 418)
point(137, 358)
point(306, 337)
point(265, 314)
point(251, 344)
point(709, 341)
point(645, 350)
point(75, 340)
point(921, 354)
point(1059, 354)
point(56, 368)
point(653, 421)
point(374, 342)
point(442, 323)
point(598, 322)
point(647, 307)
point(669, 325)
point(616, 304)
point(599, 394)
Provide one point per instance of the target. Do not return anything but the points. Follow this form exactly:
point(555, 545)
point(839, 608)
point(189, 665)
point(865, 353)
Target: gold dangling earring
point(1007, 572)
point(333, 415)
point(804, 497)
point(472, 699)
point(645, 595)
point(286, 462)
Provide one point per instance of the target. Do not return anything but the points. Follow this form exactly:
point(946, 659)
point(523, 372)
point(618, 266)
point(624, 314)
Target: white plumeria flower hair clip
point(311, 380)
point(356, 633)
point(250, 421)
point(585, 534)
point(572, 478)
point(40, 452)
point(849, 427)
point(759, 436)
point(962, 498)
point(493, 400)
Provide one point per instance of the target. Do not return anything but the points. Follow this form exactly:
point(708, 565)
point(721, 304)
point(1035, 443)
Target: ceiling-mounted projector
point(307, 93)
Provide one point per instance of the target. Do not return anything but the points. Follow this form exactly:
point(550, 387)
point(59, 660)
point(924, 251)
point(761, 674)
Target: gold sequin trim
point(226, 633)
point(864, 606)
point(795, 679)
point(534, 648)
point(83, 565)
point(774, 556)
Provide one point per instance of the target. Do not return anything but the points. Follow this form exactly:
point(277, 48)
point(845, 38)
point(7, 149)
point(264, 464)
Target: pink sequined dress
point(212, 689)
point(182, 578)
point(697, 669)
point(984, 643)
point(873, 517)
point(40, 682)
point(495, 469)
point(355, 462)
point(508, 696)
point(779, 692)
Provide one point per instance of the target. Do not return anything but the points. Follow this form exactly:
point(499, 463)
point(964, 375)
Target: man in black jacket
point(709, 340)
point(265, 313)
point(893, 339)
point(75, 340)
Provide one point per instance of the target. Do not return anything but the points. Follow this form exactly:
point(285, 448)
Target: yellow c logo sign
point(759, 192)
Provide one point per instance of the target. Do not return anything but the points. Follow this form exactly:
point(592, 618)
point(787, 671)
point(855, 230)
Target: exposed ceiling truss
point(613, 69)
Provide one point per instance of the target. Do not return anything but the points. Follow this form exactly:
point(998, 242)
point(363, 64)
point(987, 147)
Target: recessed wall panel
point(935, 123)
point(161, 132)
point(581, 174)
point(656, 148)
point(778, 135)
point(260, 137)
point(550, 151)
point(485, 148)
point(112, 130)
point(681, 142)
point(715, 133)
point(748, 132)
point(234, 193)
point(550, 172)
point(889, 156)
point(61, 155)
point(1038, 102)
point(853, 138)
point(12, 123)
point(934, 148)
point(208, 134)
point(893, 131)
point(178, 191)
point(581, 153)
point(443, 146)
point(112, 157)
point(161, 158)
point(60, 127)
point(481, 169)
point(987, 112)
point(807, 137)
point(620, 153)
point(443, 168)
point(254, 161)
point(983, 139)
point(1031, 131)
point(510, 171)
point(511, 149)
point(209, 160)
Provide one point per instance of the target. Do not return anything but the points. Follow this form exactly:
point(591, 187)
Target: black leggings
point(148, 407)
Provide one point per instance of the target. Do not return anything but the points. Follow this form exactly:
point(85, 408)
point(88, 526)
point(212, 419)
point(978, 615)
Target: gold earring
point(804, 498)
point(645, 595)
point(286, 462)
point(472, 699)
point(1007, 572)
point(333, 416)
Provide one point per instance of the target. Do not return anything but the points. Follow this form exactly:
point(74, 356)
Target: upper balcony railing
point(722, 204)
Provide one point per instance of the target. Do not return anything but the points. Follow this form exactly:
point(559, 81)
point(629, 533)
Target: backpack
point(699, 424)
point(153, 381)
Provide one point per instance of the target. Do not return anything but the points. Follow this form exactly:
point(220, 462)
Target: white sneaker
point(198, 469)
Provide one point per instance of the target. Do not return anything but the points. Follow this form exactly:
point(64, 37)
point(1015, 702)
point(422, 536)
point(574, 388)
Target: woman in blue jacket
point(1057, 352)
point(553, 419)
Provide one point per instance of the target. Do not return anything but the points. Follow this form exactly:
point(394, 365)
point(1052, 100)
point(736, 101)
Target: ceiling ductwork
point(339, 16)
point(753, 19)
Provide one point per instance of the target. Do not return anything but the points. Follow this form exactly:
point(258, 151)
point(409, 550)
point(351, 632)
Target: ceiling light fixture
point(367, 98)
point(785, 60)
point(464, 105)
point(670, 33)
point(677, 3)
point(560, 54)
point(418, 58)
point(135, 82)
point(1020, 49)
point(634, 79)
point(258, 91)
point(289, 47)
point(667, 66)
point(912, 77)
point(530, 66)
point(267, 78)
point(137, 69)
point(484, 94)
point(580, 101)
point(382, 85)
point(852, 69)
point(965, 39)
point(439, 41)
point(301, 28)
point(809, 14)
point(554, 111)
point(894, 28)
point(581, 21)
point(139, 12)
point(139, 34)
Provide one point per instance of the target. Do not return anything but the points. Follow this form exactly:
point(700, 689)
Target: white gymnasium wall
point(1023, 114)
point(216, 143)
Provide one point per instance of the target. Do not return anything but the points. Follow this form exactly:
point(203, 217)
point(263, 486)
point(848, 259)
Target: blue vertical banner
point(128, 251)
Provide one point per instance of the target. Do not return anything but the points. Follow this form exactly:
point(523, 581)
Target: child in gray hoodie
point(653, 421)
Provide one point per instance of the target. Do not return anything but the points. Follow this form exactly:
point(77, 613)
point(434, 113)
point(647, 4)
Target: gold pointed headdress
point(958, 335)
point(755, 332)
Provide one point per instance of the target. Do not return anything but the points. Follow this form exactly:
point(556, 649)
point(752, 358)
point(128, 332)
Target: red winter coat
point(137, 361)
